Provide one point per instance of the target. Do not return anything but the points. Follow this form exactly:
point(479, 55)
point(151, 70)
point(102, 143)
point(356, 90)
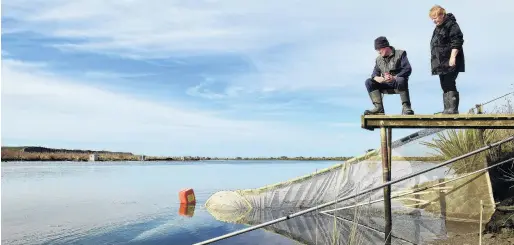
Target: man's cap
point(381, 42)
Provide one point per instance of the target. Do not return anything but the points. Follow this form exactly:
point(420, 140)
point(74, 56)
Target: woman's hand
point(453, 57)
point(452, 61)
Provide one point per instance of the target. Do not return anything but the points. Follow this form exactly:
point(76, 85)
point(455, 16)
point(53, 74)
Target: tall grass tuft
point(452, 143)
point(456, 142)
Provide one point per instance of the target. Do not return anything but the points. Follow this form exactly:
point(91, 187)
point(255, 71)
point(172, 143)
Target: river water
point(130, 203)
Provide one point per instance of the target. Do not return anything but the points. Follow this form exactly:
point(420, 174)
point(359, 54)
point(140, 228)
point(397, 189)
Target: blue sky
point(226, 78)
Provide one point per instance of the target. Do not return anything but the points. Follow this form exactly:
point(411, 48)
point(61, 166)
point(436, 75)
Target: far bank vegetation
point(50, 154)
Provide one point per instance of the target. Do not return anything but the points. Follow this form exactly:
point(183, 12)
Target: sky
point(227, 78)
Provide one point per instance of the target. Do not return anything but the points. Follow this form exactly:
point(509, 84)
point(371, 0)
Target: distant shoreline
point(43, 154)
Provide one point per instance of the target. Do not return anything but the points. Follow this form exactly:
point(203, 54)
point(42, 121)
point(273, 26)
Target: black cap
point(381, 42)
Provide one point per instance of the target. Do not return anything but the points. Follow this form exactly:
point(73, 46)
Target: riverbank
point(473, 238)
point(41, 154)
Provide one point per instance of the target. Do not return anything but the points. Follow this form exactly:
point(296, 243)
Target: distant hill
point(39, 149)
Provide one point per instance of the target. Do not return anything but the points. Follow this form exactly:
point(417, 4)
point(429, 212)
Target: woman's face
point(437, 19)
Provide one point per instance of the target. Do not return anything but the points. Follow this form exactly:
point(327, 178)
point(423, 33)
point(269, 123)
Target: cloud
point(299, 57)
point(39, 106)
point(311, 46)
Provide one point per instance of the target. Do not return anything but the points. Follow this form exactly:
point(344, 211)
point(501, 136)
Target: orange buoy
point(187, 210)
point(187, 196)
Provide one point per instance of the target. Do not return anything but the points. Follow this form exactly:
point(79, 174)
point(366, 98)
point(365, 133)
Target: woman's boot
point(453, 102)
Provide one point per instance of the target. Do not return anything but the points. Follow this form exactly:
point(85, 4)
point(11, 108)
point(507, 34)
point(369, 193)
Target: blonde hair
point(436, 11)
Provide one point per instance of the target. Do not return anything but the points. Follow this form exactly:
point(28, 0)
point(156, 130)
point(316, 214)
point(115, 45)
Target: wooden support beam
point(489, 121)
point(385, 140)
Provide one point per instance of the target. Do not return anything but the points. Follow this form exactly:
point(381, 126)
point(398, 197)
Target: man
point(392, 71)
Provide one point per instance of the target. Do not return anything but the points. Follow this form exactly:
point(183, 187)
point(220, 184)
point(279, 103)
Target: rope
point(496, 99)
point(506, 208)
point(352, 196)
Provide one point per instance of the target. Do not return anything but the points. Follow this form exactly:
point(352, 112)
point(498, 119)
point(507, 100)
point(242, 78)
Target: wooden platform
point(485, 121)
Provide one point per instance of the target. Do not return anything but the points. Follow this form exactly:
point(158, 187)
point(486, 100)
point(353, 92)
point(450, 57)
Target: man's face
point(383, 51)
point(437, 19)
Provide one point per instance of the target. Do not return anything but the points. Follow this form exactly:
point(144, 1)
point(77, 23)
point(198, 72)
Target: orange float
point(187, 196)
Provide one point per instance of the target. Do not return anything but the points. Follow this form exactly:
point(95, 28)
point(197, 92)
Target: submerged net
point(423, 208)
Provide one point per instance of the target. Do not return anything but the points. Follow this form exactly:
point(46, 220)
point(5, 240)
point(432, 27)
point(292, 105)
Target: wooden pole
point(480, 131)
point(389, 150)
point(480, 229)
point(385, 144)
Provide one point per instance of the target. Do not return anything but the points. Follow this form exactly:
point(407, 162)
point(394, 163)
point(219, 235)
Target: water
point(130, 203)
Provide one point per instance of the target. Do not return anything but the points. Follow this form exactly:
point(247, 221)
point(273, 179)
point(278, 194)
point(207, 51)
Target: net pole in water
point(385, 138)
point(255, 227)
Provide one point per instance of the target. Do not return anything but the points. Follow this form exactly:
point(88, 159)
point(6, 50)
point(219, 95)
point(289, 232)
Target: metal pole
point(255, 227)
point(385, 134)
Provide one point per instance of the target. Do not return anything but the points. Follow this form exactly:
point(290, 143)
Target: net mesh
point(424, 207)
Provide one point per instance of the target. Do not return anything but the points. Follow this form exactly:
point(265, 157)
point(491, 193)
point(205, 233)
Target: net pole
point(255, 227)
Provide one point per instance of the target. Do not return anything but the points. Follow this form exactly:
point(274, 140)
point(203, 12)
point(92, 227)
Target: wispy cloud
point(44, 107)
point(301, 64)
point(310, 46)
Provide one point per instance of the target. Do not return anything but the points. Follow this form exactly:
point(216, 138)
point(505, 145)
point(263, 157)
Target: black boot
point(453, 102)
point(376, 98)
point(406, 106)
point(446, 102)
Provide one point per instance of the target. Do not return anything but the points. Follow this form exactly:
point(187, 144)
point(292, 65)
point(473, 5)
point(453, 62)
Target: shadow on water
point(343, 228)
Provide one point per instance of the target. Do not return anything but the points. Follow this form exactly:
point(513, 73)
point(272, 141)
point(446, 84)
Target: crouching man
point(392, 71)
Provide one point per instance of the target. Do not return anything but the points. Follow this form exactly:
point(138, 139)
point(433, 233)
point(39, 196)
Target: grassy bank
point(48, 154)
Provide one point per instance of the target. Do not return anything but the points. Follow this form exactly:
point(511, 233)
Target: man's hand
point(379, 79)
point(388, 77)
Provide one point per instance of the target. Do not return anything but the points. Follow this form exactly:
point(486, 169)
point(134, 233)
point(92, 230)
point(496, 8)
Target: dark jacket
point(398, 65)
point(446, 37)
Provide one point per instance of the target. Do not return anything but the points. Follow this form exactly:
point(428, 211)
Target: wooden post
point(385, 134)
point(481, 130)
point(480, 229)
point(389, 150)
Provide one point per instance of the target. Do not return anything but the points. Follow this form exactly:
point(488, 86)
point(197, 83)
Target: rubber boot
point(406, 105)
point(453, 102)
point(446, 103)
point(376, 99)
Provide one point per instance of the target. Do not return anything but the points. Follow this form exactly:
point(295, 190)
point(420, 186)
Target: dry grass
point(456, 142)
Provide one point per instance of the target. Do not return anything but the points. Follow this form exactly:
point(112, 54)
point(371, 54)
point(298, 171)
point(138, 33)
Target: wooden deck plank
point(485, 121)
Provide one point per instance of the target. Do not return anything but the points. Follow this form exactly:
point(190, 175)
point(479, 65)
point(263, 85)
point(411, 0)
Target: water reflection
point(127, 203)
point(351, 226)
point(187, 210)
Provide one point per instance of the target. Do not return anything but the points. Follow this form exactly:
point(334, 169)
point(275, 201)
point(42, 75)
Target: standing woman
point(447, 55)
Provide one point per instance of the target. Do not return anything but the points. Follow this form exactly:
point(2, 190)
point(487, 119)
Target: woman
point(447, 55)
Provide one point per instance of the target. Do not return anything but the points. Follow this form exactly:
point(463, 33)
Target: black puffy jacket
point(446, 37)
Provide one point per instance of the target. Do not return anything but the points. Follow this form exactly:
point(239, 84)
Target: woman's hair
point(436, 11)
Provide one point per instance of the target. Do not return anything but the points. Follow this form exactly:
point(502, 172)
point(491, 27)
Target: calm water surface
point(129, 203)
